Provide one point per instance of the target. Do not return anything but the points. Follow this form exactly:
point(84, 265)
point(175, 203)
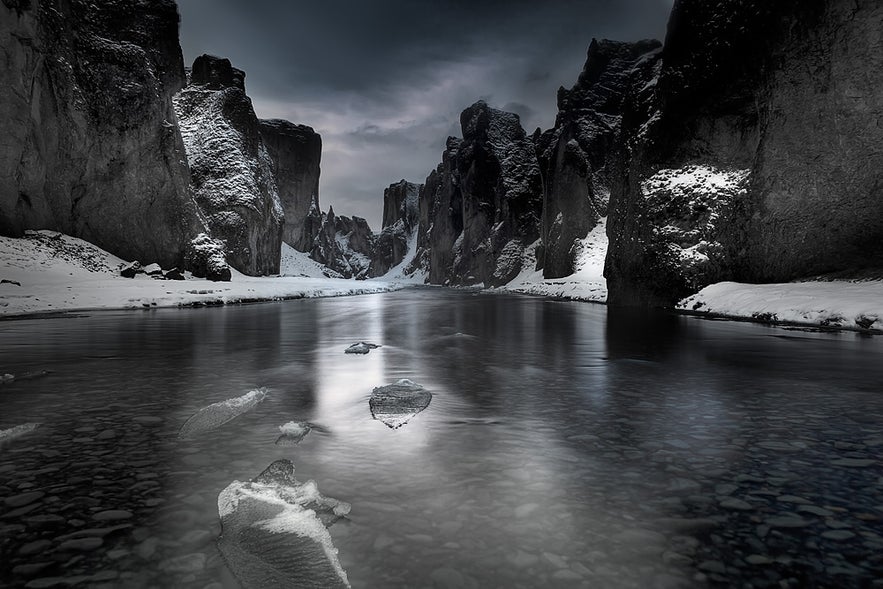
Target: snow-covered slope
point(47, 271)
point(587, 283)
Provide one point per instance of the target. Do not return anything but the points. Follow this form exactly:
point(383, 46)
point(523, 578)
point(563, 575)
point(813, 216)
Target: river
point(565, 445)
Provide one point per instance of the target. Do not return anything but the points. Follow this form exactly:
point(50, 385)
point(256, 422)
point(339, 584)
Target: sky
point(384, 81)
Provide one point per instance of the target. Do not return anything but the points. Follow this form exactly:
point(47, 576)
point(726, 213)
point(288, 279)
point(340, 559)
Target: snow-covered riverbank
point(838, 303)
point(50, 272)
point(587, 283)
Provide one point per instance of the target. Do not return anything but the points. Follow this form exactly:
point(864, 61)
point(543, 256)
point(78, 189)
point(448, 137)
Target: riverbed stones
point(23, 499)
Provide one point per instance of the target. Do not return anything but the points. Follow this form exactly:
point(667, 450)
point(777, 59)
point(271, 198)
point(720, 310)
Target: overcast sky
point(384, 81)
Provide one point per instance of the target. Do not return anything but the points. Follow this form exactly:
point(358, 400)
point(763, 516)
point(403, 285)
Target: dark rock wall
point(296, 153)
point(230, 168)
point(401, 212)
point(344, 244)
point(90, 144)
point(777, 105)
point(481, 207)
point(576, 156)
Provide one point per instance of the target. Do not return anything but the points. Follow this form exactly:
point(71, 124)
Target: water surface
point(564, 446)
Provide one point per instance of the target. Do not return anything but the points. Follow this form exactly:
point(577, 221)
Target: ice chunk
point(293, 432)
point(397, 403)
point(10, 434)
point(217, 414)
point(8, 378)
point(274, 531)
point(361, 348)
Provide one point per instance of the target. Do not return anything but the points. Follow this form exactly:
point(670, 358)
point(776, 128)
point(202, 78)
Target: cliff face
point(295, 152)
point(577, 156)
point(90, 145)
point(231, 171)
point(756, 156)
point(344, 244)
point(400, 223)
point(481, 207)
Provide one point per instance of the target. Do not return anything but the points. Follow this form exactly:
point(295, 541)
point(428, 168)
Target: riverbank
point(47, 272)
point(836, 304)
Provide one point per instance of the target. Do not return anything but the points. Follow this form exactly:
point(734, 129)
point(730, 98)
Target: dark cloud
point(384, 81)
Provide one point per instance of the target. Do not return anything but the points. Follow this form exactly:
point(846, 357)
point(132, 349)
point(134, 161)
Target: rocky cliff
point(756, 156)
point(231, 170)
point(400, 224)
point(578, 155)
point(344, 244)
point(295, 152)
point(90, 145)
point(480, 209)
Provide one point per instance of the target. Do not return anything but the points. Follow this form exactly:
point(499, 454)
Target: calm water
point(564, 446)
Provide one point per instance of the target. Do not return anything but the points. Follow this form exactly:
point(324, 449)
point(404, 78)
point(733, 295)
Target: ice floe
point(217, 414)
point(293, 432)
point(361, 348)
point(7, 435)
point(396, 404)
point(274, 531)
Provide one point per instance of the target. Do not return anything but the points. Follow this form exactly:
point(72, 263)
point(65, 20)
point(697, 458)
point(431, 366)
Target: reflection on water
point(565, 446)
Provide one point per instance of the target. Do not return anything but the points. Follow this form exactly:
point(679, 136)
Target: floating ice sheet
point(293, 432)
point(217, 414)
point(396, 404)
point(7, 435)
point(361, 348)
point(274, 531)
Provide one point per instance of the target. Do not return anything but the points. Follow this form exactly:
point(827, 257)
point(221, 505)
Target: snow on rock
point(217, 414)
point(344, 245)
point(296, 263)
point(587, 283)
point(206, 258)
point(838, 303)
point(230, 169)
point(274, 531)
point(396, 404)
point(47, 271)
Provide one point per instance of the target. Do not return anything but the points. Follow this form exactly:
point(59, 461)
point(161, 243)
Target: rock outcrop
point(400, 224)
point(480, 209)
point(756, 156)
point(230, 169)
point(296, 153)
point(344, 244)
point(90, 145)
point(578, 155)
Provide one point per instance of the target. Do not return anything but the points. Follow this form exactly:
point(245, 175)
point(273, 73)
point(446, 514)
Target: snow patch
point(838, 303)
point(48, 271)
point(587, 283)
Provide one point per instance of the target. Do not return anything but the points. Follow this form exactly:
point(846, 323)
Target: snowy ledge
point(836, 304)
point(48, 272)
